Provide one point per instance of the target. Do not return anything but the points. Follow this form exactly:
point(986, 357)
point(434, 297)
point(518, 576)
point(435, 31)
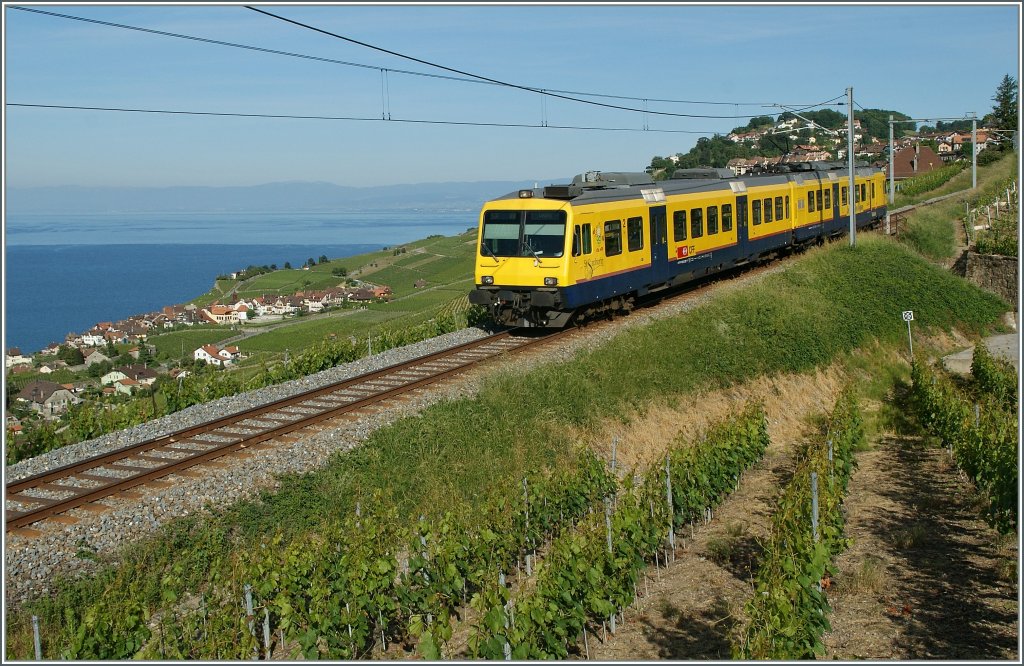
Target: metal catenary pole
point(850, 156)
point(974, 150)
point(892, 159)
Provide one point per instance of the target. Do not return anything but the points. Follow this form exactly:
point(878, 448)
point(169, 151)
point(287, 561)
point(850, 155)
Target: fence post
point(671, 510)
point(506, 648)
point(35, 638)
point(252, 622)
point(831, 465)
point(526, 504)
point(814, 505)
point(266, 632)
point(608, 522)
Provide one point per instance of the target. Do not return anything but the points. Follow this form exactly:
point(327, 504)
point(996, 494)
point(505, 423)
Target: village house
point(126, 386)
point(47, 398)
point(913, 161)
point(137, 373)
point(211, 355)
point(15, 357)
point(94, 356)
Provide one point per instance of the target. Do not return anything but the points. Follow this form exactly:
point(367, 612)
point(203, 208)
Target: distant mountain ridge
point(269, 197)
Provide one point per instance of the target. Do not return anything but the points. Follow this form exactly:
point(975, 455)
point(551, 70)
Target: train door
point(659, 244)
point(836, 221)
point(741, 221)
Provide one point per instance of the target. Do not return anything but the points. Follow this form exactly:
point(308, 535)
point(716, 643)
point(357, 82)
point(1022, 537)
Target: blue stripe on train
point(681, 270)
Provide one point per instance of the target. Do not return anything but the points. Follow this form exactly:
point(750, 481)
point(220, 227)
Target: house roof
point(14, 351)
point(39, 390)
point(137, 372)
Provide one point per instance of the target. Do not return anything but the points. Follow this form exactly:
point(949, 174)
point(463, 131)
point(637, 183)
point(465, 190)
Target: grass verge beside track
point(456, 454)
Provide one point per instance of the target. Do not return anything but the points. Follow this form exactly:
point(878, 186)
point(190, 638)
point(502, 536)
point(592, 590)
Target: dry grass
point(867, 579)
point(910, 537)
point(646, 434)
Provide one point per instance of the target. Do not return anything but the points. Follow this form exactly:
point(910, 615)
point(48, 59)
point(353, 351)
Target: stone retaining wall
point(991, 272)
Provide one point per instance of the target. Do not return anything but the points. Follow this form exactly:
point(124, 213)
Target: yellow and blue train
point(550, 254)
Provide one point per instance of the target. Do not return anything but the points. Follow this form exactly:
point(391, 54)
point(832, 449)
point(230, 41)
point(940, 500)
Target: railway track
point(83, 483)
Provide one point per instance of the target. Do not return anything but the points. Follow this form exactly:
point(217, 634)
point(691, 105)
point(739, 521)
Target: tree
point(310, 262)
point(287, 265)
point(324, 259)
point(1004, 113)
point(70, 355)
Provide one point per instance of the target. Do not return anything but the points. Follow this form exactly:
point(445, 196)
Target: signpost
point(908, 316)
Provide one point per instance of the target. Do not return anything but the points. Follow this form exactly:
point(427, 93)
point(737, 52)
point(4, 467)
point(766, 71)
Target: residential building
point(15, 357)
point(47, 398)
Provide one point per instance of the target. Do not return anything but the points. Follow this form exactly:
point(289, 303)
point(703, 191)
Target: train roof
point(599, 186)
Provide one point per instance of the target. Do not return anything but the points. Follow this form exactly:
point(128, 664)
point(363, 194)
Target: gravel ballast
point(33, 563)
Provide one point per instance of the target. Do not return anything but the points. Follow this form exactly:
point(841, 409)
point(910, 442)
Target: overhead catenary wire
point(69, 107)
point(389, 69)
point(517, 86)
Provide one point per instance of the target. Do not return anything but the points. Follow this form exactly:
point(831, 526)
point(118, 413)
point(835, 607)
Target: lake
point(64, 274)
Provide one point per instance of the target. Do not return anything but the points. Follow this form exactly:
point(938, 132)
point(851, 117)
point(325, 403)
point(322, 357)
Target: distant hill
point(268, 198)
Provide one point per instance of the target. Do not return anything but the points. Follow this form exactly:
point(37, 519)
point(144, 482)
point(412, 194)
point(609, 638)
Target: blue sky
point(923, 60)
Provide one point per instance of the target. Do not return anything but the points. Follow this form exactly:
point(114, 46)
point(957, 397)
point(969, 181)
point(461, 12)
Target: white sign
point(908, 315)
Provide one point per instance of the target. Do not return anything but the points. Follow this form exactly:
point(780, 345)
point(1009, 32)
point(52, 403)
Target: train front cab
point(522, 260)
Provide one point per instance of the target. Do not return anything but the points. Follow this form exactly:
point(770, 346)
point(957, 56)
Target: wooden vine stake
point(671, 512)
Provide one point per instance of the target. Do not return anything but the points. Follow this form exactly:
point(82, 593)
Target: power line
point(538, 91)
point(352, 118)
point(384, 69)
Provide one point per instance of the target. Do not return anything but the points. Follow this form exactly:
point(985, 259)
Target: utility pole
point(974, 150)
point(849, 143)
point(892, 149)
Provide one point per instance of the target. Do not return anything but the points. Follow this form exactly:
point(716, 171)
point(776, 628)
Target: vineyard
point(89, 420)
point(978, 422)
point(520, 522)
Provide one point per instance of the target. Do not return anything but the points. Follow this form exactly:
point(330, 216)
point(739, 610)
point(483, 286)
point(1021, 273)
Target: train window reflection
point(518, 233)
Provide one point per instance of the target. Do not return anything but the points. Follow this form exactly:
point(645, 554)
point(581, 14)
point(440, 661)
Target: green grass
point(173, 344)
point(455, 454)
point(932, 231)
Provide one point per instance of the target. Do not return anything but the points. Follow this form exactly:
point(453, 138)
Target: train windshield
point(523, 233)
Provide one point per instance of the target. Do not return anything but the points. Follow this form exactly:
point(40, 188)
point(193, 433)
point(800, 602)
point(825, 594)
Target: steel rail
point(121, 459)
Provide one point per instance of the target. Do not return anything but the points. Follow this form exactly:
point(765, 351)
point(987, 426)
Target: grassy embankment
point(444, 263)
point(821, 309)
point(933, 230)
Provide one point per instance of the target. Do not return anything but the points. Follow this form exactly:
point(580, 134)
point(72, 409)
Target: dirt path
point(926, 577)
point(690, 609)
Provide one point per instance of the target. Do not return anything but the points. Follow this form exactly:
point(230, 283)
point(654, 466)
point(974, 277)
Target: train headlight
point(487, 279)
point(550, 282)
point(525, 194)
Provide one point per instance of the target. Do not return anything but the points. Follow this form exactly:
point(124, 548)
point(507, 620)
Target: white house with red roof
point(211, 355)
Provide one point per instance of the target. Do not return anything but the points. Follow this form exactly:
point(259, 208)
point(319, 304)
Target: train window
point(635, 233)
point(810, 202)
point(828, 200)
point(872, 190)
point(712, 220)
point(577, 245)
point(679, 225)
point(696, 222)
point(612, 238)
point(726, 218)
point(755, 212)
point(863, 192)
point(587, 247)
point(768, 210)
point(543, 233)
point(778, 208)
point(843, 195)
point(787, 206)
point(817, 199)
